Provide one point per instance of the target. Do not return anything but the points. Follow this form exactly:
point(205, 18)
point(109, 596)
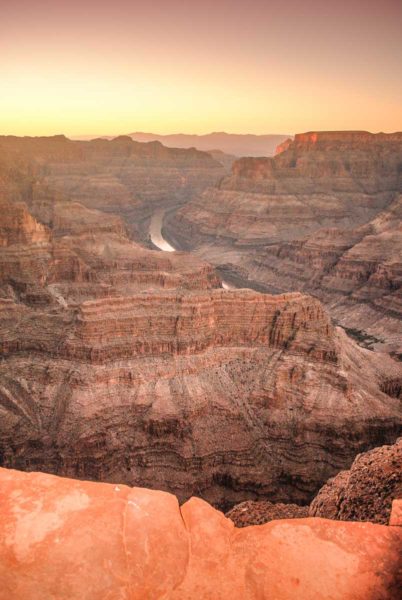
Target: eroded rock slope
point(119, 177)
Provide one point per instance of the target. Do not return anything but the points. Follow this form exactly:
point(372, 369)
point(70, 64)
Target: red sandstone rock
point(118, 176)
point(396, 513)
point(124, 364)
point(70, 540)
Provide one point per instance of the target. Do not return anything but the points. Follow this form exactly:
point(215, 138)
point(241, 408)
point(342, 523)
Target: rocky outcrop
point(185, 323)
point(323, 216)
point(366, 491)
point(84, 254)
point(257, 513)
point(17, 226)
point(67, 539)
point(369, 491)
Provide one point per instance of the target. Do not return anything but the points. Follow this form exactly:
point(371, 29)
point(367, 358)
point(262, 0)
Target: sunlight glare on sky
point(102, 67)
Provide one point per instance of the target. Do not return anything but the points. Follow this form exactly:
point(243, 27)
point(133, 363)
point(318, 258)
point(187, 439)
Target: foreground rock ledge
point(66, 539)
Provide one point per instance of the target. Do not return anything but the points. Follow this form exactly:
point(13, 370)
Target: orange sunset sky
point(111, 67)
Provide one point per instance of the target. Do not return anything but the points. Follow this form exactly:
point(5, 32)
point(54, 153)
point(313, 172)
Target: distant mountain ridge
point(230, 143)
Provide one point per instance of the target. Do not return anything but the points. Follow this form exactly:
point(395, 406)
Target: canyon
point(127, 365)
point(129, 374)
point(323, 217)
point(119, 177)
point(365, 492)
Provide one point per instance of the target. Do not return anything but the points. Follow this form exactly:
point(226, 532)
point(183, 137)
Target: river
point(155, 234)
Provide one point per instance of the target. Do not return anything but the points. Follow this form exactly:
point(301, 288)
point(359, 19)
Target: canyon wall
point(228, 395)
point(323, 216)
point(127, 365)
point(119, 176)
point(369, 491)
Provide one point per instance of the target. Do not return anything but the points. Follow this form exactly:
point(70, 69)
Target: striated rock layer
point(120, 176)
point(366, 491)
point(123, 364)
point(322, 216)
point(69, 540)
point(230, 395)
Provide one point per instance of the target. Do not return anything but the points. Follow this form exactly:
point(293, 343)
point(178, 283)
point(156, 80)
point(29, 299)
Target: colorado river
point(155, 234)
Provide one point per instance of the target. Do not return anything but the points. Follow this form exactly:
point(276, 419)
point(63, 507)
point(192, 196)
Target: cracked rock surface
point(67, 539)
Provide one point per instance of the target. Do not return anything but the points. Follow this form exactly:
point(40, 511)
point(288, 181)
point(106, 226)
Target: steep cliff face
point(228, 395)
point(17, 226)
point(69, 540)
point(322, 216)
point(83, 254)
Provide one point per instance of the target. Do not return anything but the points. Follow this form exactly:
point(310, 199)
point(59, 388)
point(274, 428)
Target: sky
point(97, 67)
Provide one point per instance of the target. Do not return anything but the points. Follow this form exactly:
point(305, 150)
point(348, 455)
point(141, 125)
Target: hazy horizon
point(194, 68)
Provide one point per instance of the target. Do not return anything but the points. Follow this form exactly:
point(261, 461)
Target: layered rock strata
point(119, 176)
point(228, 395)
point(369, 491)
point(83, 254)
point(67, 539)
point(322, 216)
point(123, 364)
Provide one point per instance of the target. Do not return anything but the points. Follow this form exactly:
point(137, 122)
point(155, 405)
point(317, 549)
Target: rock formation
point(119, 176)
point(231, 395)
point(257, 513)
point(127, 365)
point(69, 540)
point(366, 491)
point(323, 216)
